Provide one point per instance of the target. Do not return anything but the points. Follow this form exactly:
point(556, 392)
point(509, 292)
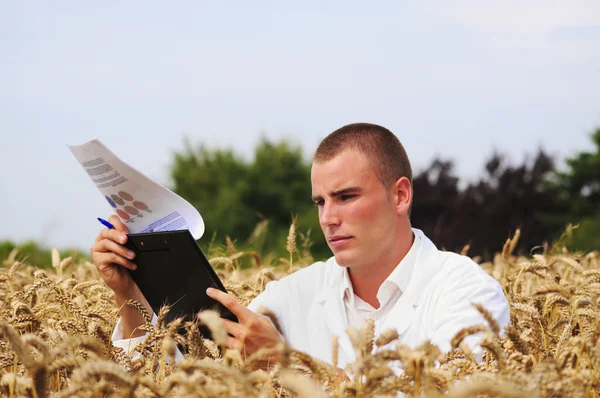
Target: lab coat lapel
point(402, 315)
point(337, 322)
point(334, 315)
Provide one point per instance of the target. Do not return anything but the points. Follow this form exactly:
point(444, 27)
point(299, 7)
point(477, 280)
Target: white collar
point(400, 276)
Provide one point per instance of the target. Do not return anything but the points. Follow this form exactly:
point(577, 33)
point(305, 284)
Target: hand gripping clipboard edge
point(172, 269)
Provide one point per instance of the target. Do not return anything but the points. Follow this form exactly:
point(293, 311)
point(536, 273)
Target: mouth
point(338, 240)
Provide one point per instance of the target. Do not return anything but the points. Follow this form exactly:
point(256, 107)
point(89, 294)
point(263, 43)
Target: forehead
point(348, 168)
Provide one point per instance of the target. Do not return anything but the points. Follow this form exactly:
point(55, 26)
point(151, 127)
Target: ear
point(402, 191)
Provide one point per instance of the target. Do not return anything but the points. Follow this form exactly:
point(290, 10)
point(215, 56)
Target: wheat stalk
point(291, 241)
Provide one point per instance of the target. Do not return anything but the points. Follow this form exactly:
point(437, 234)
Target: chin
point(344, 259)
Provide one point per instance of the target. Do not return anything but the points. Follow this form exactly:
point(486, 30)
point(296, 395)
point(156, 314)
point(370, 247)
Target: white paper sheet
point(142, 204)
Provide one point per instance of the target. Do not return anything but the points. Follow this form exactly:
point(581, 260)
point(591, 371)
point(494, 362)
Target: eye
point(319, 203)
point(347, 196)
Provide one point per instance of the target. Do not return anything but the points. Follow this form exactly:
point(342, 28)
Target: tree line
point(251, 203)
point(254, 201)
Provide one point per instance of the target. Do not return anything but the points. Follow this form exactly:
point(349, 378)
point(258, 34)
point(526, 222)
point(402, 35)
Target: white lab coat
point(437, 303)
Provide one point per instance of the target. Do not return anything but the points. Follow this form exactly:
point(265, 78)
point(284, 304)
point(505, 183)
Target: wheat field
point(55, 328)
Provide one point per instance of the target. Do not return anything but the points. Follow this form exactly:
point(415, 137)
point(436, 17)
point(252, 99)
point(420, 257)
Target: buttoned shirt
point(358, 311)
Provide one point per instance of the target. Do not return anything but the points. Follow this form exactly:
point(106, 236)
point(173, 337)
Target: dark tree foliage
point(489, 210)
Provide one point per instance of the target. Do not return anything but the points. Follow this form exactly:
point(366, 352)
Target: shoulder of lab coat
point(446, 287)
point(465, 283)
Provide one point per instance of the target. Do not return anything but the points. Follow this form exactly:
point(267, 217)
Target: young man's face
point(357, 214)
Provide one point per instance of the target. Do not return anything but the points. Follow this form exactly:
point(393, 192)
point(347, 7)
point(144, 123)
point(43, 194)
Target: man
point(382, 268)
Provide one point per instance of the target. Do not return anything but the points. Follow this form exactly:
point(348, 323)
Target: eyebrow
point(340, 192)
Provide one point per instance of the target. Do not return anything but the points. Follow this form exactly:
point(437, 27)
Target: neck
point(367, 280)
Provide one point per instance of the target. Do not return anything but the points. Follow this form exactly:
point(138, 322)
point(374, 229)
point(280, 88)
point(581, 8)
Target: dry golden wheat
point(55, 328)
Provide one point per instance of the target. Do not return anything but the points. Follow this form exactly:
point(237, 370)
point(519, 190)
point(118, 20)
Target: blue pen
point(106, 223)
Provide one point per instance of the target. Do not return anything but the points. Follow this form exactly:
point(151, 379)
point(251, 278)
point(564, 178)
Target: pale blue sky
point(454, 78)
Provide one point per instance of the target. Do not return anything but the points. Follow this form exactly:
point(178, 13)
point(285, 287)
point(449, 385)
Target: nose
point(328, 215)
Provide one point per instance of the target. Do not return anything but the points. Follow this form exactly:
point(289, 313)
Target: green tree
point(579, 187)
point(234, 195)
point(213, 182)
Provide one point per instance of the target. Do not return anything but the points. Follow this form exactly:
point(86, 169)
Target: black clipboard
point(172, 269)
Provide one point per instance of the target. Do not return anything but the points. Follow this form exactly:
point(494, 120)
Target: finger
point(100, 235)
point(112, 234)
point(242, 313)
point(105, 233)
point(118, 224)
point(103, 258)
point(234, 328)
point(109, 259)
point(107, 245)
point(107, 252)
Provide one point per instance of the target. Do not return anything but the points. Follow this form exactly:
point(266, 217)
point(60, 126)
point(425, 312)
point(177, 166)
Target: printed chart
point(126, 206)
